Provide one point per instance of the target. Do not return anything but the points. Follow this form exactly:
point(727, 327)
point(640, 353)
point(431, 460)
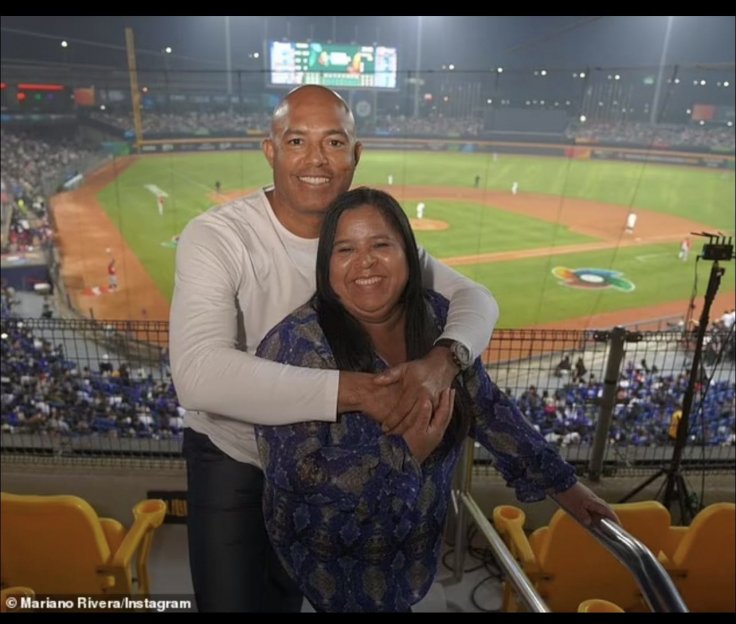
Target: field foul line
point(196, 183)
point(645, 257)
point(155, 190)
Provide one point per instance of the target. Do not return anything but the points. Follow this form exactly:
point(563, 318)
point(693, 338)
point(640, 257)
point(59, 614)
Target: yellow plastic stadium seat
point(58, 545)
point(567, 565)
point(596, 605)
point(701, 559)
point(7, 604)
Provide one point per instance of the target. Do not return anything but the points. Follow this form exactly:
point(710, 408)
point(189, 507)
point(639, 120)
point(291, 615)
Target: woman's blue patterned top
point(354, 518)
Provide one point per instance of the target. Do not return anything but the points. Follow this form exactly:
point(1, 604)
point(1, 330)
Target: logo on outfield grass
point(592, 279)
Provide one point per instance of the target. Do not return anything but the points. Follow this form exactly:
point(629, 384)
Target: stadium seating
point(58, 545)
point(7, 594)
point(701, 559)
point(566, 563)
point(572, 571)
point(597, 605)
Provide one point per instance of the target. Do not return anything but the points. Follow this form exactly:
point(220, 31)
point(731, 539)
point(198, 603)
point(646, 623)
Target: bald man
point(241, 267)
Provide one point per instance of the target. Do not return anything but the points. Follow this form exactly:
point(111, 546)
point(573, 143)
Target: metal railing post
point(465, 477)
point(610, 383)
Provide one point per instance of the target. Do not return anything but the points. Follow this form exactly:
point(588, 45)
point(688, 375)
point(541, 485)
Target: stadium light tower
point(65, 47)
point(228, 63)
point(419, 62)
point(167, 50)
point(660, 76)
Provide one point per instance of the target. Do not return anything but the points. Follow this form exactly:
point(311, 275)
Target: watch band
point(454, 347)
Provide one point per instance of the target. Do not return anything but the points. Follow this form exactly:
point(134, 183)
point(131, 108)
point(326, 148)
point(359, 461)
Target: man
point(112, 275)
point(580, 369)
point(160, 203)
point(674, 424)
point(630, 222)
point(684, 249)
point(241, 268)
point(514, 188)
point(420, 210)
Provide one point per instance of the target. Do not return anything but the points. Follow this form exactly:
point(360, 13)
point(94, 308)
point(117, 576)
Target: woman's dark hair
point(350, 344)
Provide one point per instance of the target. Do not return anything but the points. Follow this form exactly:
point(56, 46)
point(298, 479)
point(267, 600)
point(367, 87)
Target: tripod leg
point(682, 499)
point(640, 487)
point(687, 510)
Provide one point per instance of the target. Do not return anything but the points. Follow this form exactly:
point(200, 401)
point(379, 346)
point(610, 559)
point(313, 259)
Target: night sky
point(470, 43)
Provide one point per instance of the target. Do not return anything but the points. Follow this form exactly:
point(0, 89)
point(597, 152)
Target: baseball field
point(555, 254)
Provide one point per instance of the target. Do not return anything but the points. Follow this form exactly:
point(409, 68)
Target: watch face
point(462, 353)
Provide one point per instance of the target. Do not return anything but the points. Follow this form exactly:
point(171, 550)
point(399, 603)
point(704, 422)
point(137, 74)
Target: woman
point(357, 516)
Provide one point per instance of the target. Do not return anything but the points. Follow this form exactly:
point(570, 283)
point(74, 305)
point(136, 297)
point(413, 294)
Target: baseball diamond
point(509, 242)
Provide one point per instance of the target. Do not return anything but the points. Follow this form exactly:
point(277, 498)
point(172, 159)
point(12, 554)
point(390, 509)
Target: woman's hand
point(419, 382)
point(427, 432)
point(583, 504)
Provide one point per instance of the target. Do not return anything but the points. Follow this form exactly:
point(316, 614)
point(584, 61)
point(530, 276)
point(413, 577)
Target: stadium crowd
point(44, 391)
point(665, 136)
point(191, 123)
point(645, 403)
point(28, 159)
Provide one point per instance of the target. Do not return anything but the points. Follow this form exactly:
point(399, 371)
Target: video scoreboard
point(332, 65)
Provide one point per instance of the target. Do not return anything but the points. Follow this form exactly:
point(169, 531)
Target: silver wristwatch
point(460, 353)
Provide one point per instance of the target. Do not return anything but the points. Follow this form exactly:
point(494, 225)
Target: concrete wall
point(113, 491)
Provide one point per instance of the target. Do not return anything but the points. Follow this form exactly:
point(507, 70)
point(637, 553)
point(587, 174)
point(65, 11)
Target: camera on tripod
point(717, 248)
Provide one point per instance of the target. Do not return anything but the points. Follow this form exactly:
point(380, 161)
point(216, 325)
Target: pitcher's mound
point(428, 224)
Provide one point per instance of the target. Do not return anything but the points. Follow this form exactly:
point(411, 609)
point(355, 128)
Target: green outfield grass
point(527, 291)
point(483, 229)
point(530, 294)
point(702, 195)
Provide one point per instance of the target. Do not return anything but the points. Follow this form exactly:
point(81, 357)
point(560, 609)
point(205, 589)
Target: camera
point(717, 247)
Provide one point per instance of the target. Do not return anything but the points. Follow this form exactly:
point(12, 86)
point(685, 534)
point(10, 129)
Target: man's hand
point(581, 503)
point(358, 392)
point(419, 382)
point(427, 432)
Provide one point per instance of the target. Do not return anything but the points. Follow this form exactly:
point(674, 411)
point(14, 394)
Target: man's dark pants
point(233, 566)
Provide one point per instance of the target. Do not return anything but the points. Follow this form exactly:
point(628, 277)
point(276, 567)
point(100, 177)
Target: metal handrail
point(505, 559)
point(656, 585)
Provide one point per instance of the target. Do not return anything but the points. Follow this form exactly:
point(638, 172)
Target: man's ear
point(357, 152)
point(268, 150)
